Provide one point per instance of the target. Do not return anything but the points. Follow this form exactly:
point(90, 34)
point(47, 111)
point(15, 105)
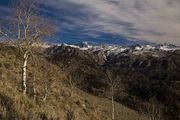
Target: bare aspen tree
point(35, 61)
point(46, 92)
point(52, 75)
point(113, 83)
point(47, 81)
point(154, 110)
point(27, 29)
point(72, 82)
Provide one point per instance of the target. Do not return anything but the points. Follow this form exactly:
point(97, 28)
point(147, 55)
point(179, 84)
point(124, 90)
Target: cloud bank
point(152, 20)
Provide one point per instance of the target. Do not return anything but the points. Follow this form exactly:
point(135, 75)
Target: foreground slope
point(60, 104)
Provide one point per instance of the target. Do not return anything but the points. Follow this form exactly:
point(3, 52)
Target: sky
point(111, 21)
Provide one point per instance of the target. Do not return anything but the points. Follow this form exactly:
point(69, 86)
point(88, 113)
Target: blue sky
point(111, 21)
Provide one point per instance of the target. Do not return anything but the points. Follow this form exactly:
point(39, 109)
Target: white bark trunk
point(24, 74)
point(34, 89)
point(46, 93)
point(112, 108)
point(112, 100)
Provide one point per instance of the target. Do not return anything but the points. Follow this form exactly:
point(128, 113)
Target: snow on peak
point(168, 47)
point(138, 48)
point(148, 47)
point(110, 49)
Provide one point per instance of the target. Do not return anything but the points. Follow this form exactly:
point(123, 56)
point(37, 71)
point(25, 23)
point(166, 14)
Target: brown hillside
point(60, 104)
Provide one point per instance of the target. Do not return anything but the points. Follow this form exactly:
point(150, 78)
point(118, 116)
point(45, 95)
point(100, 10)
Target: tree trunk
point(34, 89)
point(112, 100)
point(24, 74)
point(46, 93)
point(112, 107)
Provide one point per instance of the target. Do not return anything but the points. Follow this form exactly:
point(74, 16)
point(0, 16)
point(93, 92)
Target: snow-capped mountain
point(110, 50)
point(167, 47)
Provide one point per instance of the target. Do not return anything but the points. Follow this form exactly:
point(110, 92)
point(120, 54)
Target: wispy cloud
point(153, 20)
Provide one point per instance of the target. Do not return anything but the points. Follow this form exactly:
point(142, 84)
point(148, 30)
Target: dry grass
point(59, 105)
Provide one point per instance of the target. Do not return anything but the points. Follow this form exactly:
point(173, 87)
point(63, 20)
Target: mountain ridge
point(144, 72)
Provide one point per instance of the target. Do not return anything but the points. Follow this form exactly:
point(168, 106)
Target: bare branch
point(26, 29)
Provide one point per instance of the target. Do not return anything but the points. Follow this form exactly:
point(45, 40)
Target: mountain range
point(145, 71)
point(111, 49)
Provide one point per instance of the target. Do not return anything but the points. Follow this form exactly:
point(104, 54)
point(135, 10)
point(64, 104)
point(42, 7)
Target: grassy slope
point(60, 104)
